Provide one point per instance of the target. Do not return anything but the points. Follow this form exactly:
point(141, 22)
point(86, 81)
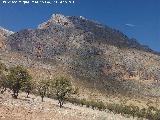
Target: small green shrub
point(93, 104)
point(101, 106)
point(83, 102)
point(134, 110)
point(87, 104)
point(142, 113)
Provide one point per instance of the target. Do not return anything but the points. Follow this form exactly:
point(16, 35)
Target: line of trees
point(18, 79)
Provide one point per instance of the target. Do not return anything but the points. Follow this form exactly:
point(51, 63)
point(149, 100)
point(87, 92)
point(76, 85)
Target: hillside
point(91, 52)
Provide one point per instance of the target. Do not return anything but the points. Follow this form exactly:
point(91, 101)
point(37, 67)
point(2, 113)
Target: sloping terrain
point(33, 109)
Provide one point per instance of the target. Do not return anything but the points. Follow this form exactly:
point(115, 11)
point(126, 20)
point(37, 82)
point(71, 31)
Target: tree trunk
point(27, 94)
point(60, 103)
point(3, 90)
point(42, 98)
point(15, 94)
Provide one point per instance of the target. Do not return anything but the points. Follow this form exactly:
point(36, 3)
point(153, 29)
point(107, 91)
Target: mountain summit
point(58, 19)
point(95, 31)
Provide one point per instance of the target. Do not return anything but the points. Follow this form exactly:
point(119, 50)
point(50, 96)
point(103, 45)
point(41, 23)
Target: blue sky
point(138, 19)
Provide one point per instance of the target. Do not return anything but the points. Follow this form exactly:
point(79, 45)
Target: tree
point(63, 89)
point(2, 67)
point(3, 80)
point(43, 88)
point(17, 77)
point(28, 87)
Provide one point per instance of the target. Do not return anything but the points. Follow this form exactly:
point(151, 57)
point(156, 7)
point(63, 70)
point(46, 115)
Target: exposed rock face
point(90, 51)
point(60, 34)
point(3, 35)
point(56, 19)
point(5, 32)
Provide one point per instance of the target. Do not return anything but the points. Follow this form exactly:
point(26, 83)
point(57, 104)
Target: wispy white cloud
point(130, 25)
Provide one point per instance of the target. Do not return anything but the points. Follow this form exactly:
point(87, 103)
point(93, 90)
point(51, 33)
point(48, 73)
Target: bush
point(87, 104)
point(126, 110)
point(93, 104)
point(115, 108)
point(156, 115)
point(142, 113)
point(134, 110)
point(83, 102)
point(101, 106)
point(74, 101)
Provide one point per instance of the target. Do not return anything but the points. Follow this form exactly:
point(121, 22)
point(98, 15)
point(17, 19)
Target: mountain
point(90, 52)
point(63, 29)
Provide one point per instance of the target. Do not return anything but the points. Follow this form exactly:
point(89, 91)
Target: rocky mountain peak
point(5, 32)
point(64, 30)
point(56, 19)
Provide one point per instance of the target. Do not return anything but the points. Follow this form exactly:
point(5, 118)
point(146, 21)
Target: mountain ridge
point(71, 21)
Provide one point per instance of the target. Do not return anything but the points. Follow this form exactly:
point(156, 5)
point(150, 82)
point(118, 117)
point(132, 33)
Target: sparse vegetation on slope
point(150, 113)
point(61, 88)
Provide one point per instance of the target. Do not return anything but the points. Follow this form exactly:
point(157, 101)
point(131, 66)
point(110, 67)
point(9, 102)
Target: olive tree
point(17, 79)
point(28, 87)
point(42, 87)
point(63, 89)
